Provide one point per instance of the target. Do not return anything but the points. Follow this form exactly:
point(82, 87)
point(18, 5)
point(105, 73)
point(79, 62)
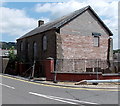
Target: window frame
point(96, 41)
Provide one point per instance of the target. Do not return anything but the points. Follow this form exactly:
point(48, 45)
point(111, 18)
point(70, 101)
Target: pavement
point(70, 84)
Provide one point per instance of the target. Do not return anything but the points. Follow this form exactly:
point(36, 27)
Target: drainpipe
point(97, 68)
point(85, 65)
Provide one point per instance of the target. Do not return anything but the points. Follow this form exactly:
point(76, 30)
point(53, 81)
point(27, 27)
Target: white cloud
point(15, 22)
point(106, 9)
point(67, 7)
point(59, 9)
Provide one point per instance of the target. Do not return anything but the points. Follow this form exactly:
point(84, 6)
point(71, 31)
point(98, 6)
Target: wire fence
point(81, 65)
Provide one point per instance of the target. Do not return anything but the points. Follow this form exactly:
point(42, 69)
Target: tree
point(12, 59)
point(12, 55)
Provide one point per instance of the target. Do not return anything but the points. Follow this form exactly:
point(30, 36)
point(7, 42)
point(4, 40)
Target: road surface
point(17, 91)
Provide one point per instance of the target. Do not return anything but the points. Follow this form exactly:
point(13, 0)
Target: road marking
point(7, 86)
point(93, 89)
point(52, 98)
point(62, 99)
point(75, 100)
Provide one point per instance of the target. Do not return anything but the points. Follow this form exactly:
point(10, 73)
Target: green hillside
point(116, 51)
point(7, 45)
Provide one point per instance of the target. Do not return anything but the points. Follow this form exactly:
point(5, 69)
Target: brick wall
point(81, 47)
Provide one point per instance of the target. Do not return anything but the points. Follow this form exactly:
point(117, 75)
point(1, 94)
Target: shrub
point(12, 55)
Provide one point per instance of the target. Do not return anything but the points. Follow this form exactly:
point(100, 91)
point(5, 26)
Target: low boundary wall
point(51, 74)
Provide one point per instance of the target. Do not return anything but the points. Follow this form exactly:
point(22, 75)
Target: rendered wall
point(76, 41)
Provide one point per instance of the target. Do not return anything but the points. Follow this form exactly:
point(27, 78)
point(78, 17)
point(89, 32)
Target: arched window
point(28, 48)
point(21, 46)
point(44, 43)
point(35, 50)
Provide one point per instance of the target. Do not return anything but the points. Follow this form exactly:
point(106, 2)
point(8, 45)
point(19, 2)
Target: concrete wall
point(76, 41)
point(84, 25)
point(27, 54)
point(4, 64)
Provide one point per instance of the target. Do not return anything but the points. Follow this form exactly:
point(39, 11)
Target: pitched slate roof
point(62, 21)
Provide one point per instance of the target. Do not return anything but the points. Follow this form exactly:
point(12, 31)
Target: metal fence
point(81, 65)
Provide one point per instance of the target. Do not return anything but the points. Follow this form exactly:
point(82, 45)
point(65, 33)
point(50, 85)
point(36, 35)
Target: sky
point(18, 18)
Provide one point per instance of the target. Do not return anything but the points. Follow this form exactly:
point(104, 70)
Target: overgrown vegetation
point(12, 56)
point(10, 69)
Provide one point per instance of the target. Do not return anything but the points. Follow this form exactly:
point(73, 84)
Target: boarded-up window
point(44, 43)
point(96, 41)
point(28, 48)
point(35, 50)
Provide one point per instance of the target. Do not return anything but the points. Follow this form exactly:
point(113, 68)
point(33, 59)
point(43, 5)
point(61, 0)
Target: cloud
point(15, 22)
point(106, 9)
point(59, 9)
point(70, 6)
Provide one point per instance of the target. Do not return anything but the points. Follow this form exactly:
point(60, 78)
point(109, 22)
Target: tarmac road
point(17, 91)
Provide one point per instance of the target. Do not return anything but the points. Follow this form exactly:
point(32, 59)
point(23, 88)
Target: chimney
point(40, 22)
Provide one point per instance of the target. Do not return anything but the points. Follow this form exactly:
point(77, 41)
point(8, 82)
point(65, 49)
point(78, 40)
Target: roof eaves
point(35, 33)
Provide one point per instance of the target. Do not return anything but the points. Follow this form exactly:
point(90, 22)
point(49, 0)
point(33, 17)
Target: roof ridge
point(59, 22)
point(55, 23)
point(64, 16)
